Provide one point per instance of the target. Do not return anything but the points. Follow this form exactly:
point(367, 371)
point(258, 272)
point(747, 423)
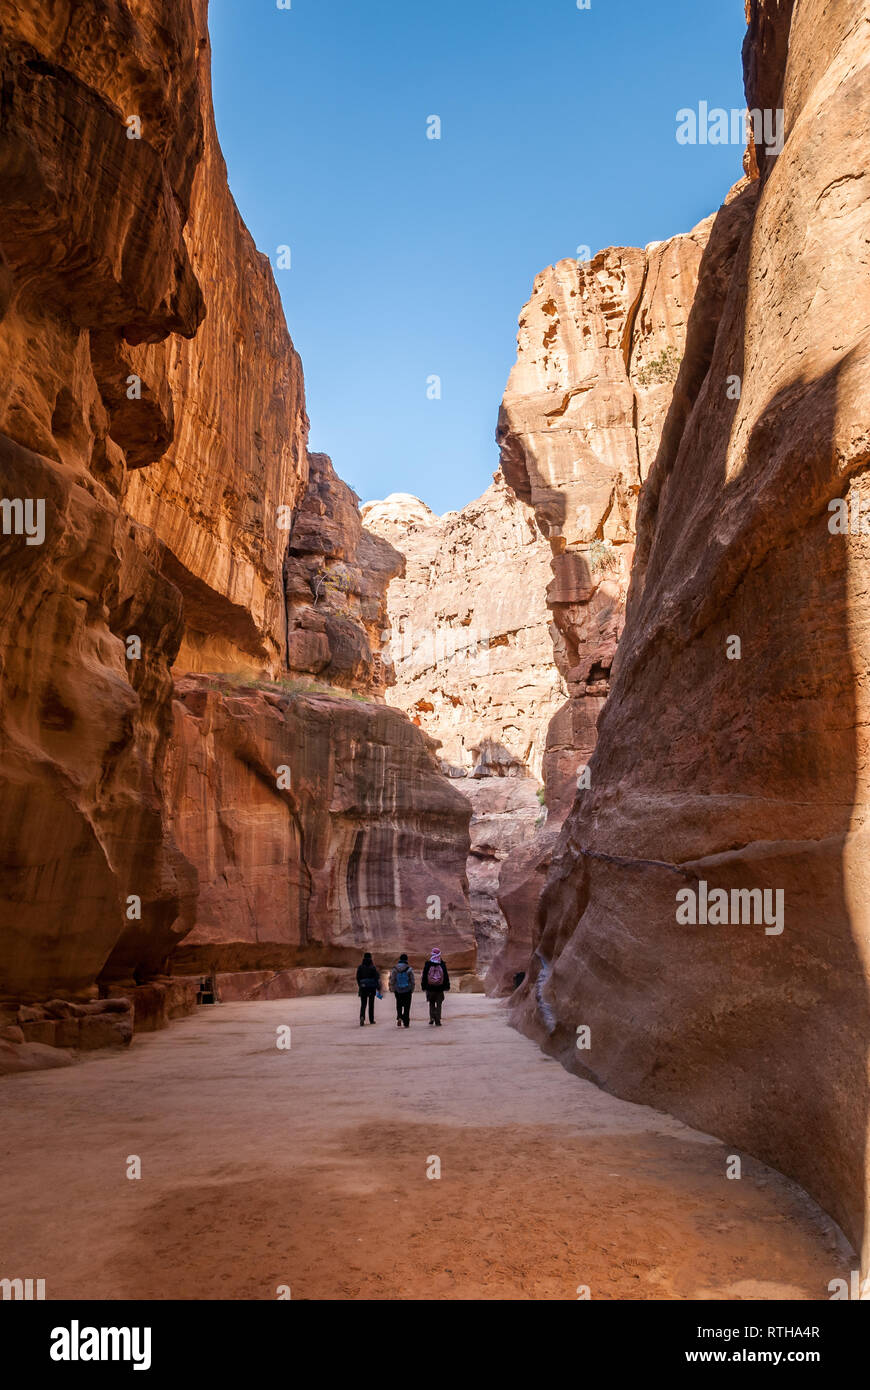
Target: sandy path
point(307, 1168)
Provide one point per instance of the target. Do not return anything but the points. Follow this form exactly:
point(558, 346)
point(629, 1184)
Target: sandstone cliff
point(336, 575)
point(163, 522)
point(744, 767)
point(91, 231)
point(319, 826)
point(598, 350)
point(222, 495)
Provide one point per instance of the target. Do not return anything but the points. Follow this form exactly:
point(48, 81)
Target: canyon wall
point(188, 598)
point(599, 348)
point(473, 658)
point(91, 232)
point(222, 494)
point(319, 825)
point(732, 750)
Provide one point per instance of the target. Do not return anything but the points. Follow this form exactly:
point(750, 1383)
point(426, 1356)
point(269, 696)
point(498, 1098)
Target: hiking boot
point(431, 1023)
point(437, 1023)
point(362, 1023)
point(398, 1023)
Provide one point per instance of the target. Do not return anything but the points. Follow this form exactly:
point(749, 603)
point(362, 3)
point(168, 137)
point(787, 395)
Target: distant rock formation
point(335, 582)
point(470, 629)
point(396, 515)
point(473, 659)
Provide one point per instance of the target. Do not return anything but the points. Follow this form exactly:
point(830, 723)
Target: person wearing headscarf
point(435, 981)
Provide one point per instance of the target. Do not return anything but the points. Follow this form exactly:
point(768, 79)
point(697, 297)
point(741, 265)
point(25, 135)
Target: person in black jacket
point(368, 978)
point(436, 982)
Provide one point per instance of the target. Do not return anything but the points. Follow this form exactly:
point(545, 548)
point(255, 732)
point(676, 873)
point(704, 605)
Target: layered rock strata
point(93, 257)
point(732, 749)
point(320, 827)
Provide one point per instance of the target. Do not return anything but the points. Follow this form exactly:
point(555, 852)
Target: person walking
point(368, 979)
point(436, 982)
point(402, 985)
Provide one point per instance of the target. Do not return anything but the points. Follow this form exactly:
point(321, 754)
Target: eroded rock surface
point(470, 630)
point(336, 575)
point(320, 826)
point(155, 479)
point(222, 494)
point(745, 773)
point(506, 813)
point(472, 653)
point(598, 350)
point(93, 249)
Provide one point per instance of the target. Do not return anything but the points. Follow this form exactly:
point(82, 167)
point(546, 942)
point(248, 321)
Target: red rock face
point(153, 468)
point(336, 576)
point(598, 351)
point(320, 826)
point(91, 230)
point(744, 773)
point(223, 493)
point(600, 347)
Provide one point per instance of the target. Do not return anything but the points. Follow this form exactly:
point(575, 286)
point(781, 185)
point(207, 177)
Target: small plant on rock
point(664, 367)
point(602, 557)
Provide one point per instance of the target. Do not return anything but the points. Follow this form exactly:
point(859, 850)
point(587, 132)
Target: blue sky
point(413, 257)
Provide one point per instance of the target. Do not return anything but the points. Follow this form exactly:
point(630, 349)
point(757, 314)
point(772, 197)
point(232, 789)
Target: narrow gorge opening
point(573, 771)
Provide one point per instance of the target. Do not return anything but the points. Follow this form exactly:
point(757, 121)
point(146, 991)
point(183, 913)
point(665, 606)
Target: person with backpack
point(402, 985)
point(436, 982)
point(368, 979)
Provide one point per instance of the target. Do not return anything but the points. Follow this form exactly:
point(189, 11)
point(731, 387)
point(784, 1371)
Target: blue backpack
point(403, 979)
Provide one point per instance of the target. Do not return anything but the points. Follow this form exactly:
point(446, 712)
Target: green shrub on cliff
point(664, 367)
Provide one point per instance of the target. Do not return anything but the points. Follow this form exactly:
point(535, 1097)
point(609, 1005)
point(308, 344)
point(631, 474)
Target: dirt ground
point(307, 1168)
